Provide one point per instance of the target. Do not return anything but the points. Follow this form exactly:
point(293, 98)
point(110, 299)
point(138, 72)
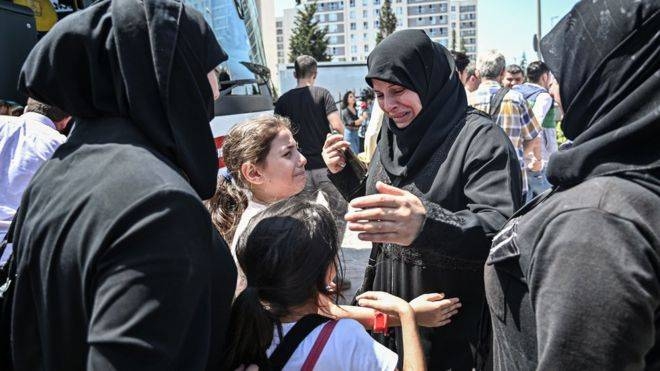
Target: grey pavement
point(355, 254)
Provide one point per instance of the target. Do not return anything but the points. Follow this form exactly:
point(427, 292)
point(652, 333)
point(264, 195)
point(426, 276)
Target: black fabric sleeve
point(595, 294)
point(330, 105)
point(348, 183)
point(491, 178)
point(154, 290)
point(280, 108)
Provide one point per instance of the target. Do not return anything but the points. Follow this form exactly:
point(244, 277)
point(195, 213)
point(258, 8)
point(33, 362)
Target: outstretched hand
point(393, 215)
point(433, 310)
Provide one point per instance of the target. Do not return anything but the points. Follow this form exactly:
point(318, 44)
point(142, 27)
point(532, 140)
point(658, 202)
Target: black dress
point(476, 179)
point(118, 264)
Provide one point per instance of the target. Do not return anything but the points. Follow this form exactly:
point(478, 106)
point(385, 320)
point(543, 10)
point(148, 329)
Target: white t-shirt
point(348, 348)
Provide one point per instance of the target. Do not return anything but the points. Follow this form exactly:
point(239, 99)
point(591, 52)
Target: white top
point(542, 104)
point(26, 142)
point(348, 348)
point(252, 209)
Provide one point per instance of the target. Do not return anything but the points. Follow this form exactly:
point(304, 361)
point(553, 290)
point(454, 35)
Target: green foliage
point(308, 38)
point(523, 63)
point(453, 39)
point(387, 20)
point(461, 45)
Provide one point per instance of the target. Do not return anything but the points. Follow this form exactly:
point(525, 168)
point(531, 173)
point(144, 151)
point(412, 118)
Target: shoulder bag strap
point(319, 344)
point(293, 338)
point(496, 102)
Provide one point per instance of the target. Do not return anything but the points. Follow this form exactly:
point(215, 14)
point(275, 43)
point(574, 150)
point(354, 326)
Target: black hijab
point(410, 59)
point(146, 61)
point(606, 57)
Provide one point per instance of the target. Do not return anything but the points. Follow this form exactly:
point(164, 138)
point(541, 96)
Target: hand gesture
point(333, 152)
point(433, 310)
point(393, 215)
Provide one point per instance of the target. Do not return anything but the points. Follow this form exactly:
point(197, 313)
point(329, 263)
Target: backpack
point(296, 335)
point(496, 102)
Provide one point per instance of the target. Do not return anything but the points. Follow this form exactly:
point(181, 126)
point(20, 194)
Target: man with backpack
point(535, 91)
point(509, 110)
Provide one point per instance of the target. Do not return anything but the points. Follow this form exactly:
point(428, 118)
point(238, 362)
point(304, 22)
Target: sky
point(505, 25)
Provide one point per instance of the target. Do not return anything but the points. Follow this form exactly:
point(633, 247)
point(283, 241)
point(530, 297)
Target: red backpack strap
point(319, 344)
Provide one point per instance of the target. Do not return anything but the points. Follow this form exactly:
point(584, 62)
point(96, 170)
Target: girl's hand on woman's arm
point(433, 310)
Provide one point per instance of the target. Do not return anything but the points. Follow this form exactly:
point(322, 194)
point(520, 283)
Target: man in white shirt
point(536, 92)
point(26, 142)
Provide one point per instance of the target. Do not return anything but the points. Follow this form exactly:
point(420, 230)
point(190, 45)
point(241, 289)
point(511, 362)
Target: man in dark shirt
point(314, 114)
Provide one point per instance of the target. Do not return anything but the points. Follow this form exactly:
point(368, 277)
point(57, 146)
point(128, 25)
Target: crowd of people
point(492, 248)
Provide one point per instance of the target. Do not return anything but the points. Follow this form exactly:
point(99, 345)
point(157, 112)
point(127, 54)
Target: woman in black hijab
point(118, 264)
point(573, 280)
point(443, 181)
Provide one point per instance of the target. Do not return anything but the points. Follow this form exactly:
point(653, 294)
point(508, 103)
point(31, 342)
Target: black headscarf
point(142, 60)
point(410, 59)
point(606, 57)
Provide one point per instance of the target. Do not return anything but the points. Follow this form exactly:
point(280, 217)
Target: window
point(365, 25)
point(353, 59)
point(332, 17)
point(353, 49)
point(366, 48)
point(352, 26)
point(352, 14)
point(365, 13)
point(376, 2)
point(376, 12)
point(376, 24)
point(351, 3)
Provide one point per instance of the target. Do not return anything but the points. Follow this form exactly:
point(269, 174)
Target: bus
point(244, 79)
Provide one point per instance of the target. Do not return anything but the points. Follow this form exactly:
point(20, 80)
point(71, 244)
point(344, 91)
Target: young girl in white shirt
point(289, 253)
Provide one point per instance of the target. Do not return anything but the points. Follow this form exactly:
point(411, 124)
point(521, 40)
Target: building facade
point(353, 24)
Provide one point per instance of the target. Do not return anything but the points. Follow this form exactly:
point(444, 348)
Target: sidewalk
point(355, 255)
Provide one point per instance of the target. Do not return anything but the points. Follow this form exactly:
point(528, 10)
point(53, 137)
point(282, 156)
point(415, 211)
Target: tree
point(461, 45)
point(308, 38)
point(453, 39)
point(387, 21)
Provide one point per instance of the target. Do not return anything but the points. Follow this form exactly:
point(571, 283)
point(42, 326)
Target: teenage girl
point(289, 255)
point(264, 166)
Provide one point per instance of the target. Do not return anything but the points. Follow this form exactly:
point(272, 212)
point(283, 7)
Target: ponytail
point(250, 332)
point(226, 207)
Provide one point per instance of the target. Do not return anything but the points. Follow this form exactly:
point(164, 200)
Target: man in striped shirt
point(513, 115)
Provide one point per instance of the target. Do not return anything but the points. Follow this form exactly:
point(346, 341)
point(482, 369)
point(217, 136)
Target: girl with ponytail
point(289, 253)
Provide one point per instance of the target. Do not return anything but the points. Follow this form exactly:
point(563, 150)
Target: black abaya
point(464, 169)
point(118, 264)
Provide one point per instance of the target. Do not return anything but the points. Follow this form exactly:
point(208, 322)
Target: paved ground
point(356, 254)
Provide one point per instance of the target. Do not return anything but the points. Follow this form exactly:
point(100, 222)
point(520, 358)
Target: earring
point(329, 288)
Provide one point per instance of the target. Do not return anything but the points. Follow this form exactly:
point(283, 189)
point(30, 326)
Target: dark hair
point(535, 70)
point(285, 253)
point(248, 141)
point(304, 67)
point(514, 69)
point(344, 99)
point(461, 60)
point(52, 112)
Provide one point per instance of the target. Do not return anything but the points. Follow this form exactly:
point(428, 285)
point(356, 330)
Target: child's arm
point(431, 310)
point(413, 357)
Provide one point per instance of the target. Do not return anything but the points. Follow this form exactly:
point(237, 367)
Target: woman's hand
point(393, 215)
point(433, 310)
point(333, 152)
point(386, 303)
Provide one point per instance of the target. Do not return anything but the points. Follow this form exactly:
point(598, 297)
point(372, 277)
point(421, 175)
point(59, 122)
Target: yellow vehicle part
point(44, 13)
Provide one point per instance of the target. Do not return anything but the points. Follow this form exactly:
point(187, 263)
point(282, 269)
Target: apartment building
point(352, 25)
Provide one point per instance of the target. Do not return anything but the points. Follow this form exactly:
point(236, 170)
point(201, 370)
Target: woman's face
point(283, 171)
point(351, 100)
point(400, 104)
